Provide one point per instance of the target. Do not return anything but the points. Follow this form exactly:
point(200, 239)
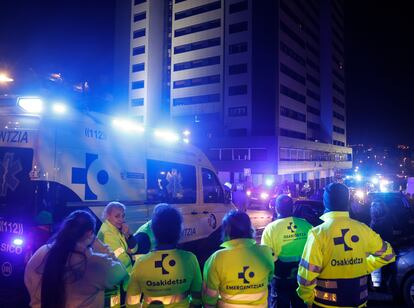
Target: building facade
point(260, 83)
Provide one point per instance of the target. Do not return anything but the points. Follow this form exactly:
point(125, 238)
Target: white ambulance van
point(55, 160)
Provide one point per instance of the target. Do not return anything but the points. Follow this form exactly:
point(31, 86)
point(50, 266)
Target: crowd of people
point(304, 266)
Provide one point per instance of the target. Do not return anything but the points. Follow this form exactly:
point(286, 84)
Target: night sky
point(77, 38)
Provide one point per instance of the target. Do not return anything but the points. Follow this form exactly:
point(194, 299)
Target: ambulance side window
point(170, 182)
point(212, 190)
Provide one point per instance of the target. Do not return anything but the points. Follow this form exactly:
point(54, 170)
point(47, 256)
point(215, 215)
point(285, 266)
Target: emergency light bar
point(30, 104)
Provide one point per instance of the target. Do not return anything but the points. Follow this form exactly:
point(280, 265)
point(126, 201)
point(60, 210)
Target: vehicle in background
point(260, 196)
point(402, 282)
point(310, 210)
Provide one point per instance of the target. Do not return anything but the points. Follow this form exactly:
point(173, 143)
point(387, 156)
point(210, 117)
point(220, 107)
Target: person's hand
point(100, 247)
point(125, 230)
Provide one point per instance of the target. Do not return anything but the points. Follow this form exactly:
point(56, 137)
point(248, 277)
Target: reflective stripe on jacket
point(169, 278)
point(111, 236)
point(238, 275)
point(338, 256)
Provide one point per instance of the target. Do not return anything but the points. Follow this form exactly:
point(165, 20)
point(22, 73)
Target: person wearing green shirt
point(115, 233)
point(239, 274)
point(287, 237)
point(166, 276)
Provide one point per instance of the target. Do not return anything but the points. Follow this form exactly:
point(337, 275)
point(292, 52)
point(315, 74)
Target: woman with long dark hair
point(74, 269)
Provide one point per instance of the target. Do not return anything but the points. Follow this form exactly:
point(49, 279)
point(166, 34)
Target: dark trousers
point(283, 294)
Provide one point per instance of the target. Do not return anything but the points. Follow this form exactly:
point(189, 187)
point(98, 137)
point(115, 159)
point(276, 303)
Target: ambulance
point(54, 160)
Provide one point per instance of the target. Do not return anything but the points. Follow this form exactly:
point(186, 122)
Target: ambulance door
point(212, 207)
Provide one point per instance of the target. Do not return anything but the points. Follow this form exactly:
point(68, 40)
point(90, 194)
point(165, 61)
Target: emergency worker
point(167, 276)
point(338, 256)
point(239, 197)
point(114, 232)
point(287, 237)
point(239, 274)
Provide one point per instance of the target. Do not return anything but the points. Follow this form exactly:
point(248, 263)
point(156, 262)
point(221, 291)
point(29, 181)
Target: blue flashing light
point(18, 242)
point(30, 104)
point(358, 177)
point(59, 108)
point(269, 182)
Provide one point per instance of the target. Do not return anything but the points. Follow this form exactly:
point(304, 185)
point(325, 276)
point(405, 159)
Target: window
point(312, 64)
point(196, 63)
point(338, 116)
point(238, 7)
point(290, 13)
point(339, 130)
point(214, 154)
point(239, 27)
point(337, 35)
point(337, 75)
point(312, 79)
point(140, 16)
point(196, 81)
point(237, 111)
point(338, 102)
point(198, 27)
point(238, 90)
point(313, 110)
point(338, 49)
point(258, 154)
point(291, 53)
point(238, 48)
point(138, 67)
point(292, 94)
point(240, 154)
point(136, 2)
point(212, 190)
point(137, 84)
point(292, 74)
point(237, 132)
point(138, 33)
point(226, 154)
point(338, 88)
point(292, 34)
point(292, 134)
point(289, 113)
point(197, 45)
point(193, 100)
point(171, 182)
point(340, 143)
point(312, 49)
point(238, 69)
point(198, 10)
point(138, 50)
point(311, 34)
point(313, 95)
point(313, 126)
point(137, 102)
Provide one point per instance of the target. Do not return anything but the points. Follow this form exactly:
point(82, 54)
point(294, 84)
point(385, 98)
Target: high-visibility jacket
point(287, 237)
point(238, 275)
point(110, 235)
point(170, 278)
point(338, 256)
point(146, 228)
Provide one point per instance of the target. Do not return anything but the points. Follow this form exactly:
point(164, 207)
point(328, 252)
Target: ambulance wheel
point(408, 291)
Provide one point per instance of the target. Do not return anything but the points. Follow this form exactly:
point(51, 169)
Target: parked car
point(260, 196)
point(402, 283)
